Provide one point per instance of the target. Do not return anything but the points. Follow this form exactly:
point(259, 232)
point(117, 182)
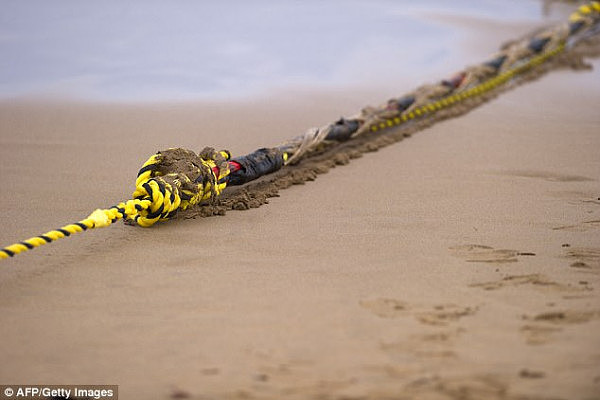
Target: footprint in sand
point(443, 314)
point(542, 326)
point(538, 334)
point(547, 176)
point(435, 344)
point(531, 374)
point(437, 315)
point(429, 345)
point(487, 254)
point(566, 317)
point(584, 258)
point(536, 280)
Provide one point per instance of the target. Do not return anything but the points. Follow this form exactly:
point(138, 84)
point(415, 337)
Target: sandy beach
point(460, 263)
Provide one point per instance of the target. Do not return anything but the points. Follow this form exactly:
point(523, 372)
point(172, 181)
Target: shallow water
point(154, 51)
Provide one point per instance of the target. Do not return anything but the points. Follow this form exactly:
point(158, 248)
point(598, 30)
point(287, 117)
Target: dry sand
point(461, 263)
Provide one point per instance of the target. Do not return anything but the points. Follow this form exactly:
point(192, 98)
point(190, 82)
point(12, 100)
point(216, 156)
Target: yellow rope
point(476, 90)
point(156, 197)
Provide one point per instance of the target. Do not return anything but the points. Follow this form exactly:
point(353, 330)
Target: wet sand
point(460, 263)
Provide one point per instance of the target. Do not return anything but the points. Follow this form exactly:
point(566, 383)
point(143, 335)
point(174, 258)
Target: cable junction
point(177, 179)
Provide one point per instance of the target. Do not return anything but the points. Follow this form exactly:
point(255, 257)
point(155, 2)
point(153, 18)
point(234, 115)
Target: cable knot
point(175, 179)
